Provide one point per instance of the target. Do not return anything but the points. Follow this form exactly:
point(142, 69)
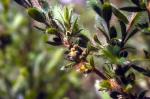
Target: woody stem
point(100, 74)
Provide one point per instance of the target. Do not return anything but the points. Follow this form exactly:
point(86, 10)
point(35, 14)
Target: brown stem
point(100, 74)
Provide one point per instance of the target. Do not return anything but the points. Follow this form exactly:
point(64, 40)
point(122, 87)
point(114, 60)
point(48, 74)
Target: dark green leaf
point(131, 34)
point(96, 8)
point(23, 3)
point(131, 78)
point(44, 4)
point(147, 54)
point(141, 70)
point(142, 25)
point(82, 40)
point(123, 30)
point(142, 94)
point(133, 9)
point(36, 14)
point(113, 32)
point(53, 43)
point(137, 2)
point(104, 33)
point(102, 1)
point(107, 12)
point(39, 28)
point(120, 15)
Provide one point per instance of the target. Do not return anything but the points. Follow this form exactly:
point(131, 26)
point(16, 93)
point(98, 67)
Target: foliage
point(118, 74)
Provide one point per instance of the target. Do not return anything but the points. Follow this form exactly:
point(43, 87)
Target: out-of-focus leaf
point(55, 60)
point(17, 21)
point(105, 95)
point(40, 58)
point(119, 15)
point(68, 66)
point(6, 4)
point(19, 84)
point(36, 14)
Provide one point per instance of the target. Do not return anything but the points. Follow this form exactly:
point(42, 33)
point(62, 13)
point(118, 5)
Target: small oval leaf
point(36, 14)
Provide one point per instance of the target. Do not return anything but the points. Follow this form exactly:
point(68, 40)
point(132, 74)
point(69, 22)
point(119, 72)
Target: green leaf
point(67, 17)
point(107, 12)
point(141, 70)
point(44, 5)
point(119, 15)
point(51, 31)
point(123, 29)
point(146, 53)
point(23, 3)
point(132, 33)
point(75, 27)
point(53, 43)
point(97, 40)
point(113, 32)
point(133, 9)
point(95, 6)
point(137, 2)
point(92, 61)
point(91, 48)
point(104, 33)
point(55, 60)
point(104, 85)
point(132, 26)
point(68, 66)
point(36, 14)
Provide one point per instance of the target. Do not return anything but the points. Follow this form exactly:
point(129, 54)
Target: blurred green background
point(30, 68)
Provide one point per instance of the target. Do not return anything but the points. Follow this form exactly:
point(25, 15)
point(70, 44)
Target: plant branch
point(100, 74)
